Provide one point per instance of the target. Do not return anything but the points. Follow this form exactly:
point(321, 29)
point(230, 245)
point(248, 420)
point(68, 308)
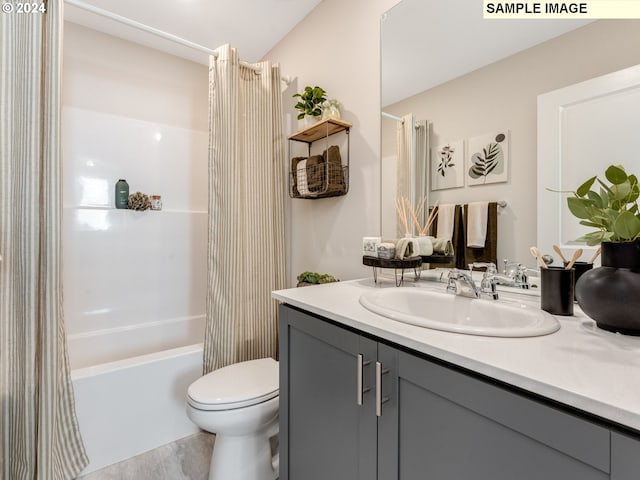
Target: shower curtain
point(412, 151)
point(421, 170)
point(39, 435)
point(246, 210)
point(404, 154)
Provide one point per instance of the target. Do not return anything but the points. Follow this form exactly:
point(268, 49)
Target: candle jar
point(331, 109)
point(156, 202)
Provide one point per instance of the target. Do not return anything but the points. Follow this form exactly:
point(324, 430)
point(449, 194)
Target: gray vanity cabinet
point(625, 457)
point(435, 421)
point(454, 426)
point(324, 433)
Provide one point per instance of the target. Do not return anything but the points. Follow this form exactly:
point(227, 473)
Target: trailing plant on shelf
point(612, 209)
point(310, 103)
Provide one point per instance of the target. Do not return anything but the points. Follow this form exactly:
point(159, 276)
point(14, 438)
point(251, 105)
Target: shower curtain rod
point(140, 26)
point(392, 117)
point(416, 125)
point(158, 33)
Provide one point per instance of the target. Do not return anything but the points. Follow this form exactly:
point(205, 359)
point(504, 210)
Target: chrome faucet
point(488, 282)
point(461, 283)
point(514, 275)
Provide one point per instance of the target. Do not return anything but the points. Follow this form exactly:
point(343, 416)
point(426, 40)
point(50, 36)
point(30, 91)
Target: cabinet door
point(446, 425)
point(625, 457)
point(324, 433)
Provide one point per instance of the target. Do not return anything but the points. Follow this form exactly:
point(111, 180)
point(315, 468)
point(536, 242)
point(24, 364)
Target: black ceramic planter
point(611, 294)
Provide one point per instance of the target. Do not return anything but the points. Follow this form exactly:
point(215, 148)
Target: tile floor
point(186, 459)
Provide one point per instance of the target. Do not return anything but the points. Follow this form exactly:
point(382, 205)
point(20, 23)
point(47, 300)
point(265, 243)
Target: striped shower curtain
point(246, 210)
point(421, 178)
point(412, 151)
point(405, 154)
point(39, 436)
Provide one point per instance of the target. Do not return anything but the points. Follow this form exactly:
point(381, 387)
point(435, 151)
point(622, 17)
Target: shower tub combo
point(132, 405)
point(134, 282)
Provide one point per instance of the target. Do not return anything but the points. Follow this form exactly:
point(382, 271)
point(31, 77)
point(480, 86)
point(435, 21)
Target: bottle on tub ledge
point(122, 194)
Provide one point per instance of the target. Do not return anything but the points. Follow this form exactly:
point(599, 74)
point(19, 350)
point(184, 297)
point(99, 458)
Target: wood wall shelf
point(325, 175)
point(320, 130)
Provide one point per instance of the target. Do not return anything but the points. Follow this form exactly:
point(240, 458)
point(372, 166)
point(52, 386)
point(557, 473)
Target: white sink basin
point(451, 313)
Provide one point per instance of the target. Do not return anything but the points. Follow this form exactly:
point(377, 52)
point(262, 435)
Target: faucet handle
point(490, 267)
point(488, 285)
point(453, 275)
point(521, 278)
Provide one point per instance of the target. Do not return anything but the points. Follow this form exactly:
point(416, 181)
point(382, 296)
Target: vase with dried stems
point(406, 212)
point(423, 244)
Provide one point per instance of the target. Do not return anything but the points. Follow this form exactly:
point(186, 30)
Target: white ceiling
point(426, 43)
point(251, 26)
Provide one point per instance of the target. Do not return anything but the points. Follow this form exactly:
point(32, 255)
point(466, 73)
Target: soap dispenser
point(122, 194)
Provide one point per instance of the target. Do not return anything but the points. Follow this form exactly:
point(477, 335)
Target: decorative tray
point(438, 258)
point(412, 262)
point(395, 263)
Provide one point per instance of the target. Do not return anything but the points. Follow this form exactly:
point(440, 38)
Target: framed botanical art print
point(447, 166)
point(488, 158)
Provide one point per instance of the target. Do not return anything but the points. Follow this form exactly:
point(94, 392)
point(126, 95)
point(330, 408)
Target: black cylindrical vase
point(611, 294)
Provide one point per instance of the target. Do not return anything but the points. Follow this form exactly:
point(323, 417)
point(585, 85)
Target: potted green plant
point(611, 294)
point(612, 210)
point(312, 278)
point(310, 103)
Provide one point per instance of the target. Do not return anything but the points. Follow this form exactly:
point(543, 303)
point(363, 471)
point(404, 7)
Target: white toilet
point(239, 403)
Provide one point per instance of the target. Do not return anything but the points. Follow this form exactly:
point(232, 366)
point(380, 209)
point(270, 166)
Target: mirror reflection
point(476, 81)
point(405, 173)
point(604, 111)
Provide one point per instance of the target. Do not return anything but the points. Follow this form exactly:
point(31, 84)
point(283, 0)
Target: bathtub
point(96, 347)
point(131, 405)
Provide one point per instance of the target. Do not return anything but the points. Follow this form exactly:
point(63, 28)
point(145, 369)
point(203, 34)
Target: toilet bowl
point(239, 403)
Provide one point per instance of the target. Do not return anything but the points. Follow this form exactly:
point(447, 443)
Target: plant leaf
point(616, 174)
point(579, 207)
point(620, 191)
point(626, 226)
point(585, 187)
point(605, 197)
point(594, 238)
point(596, 199)
point(605, 186)
point(591, 224)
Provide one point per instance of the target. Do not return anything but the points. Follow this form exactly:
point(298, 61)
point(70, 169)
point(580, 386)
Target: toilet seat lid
point(235, 386)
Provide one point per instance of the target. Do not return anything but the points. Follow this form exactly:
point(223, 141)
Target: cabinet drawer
point(625, 457)
point(567, 433)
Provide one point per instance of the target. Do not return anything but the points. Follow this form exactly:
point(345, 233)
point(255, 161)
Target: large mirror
point(470, 78)
point(594, 123)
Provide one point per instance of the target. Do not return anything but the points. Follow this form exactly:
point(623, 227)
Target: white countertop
point(580, 365)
